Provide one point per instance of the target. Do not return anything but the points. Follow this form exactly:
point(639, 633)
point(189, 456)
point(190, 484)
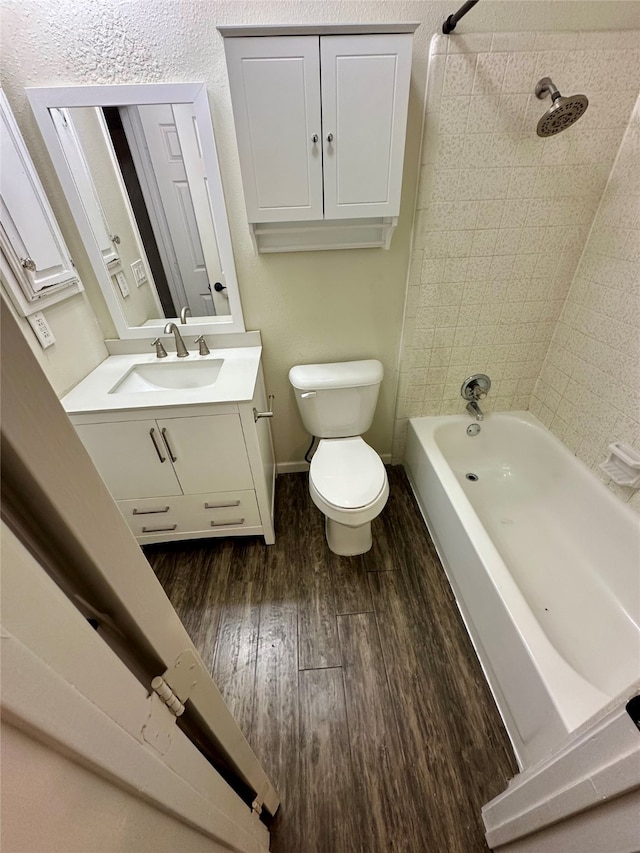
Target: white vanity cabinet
point(321, 123)
point(186, 472)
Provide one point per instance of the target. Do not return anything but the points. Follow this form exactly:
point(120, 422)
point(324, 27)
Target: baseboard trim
point(301, 465)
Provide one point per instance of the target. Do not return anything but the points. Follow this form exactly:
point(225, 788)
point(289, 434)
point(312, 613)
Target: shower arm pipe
point(450, 24)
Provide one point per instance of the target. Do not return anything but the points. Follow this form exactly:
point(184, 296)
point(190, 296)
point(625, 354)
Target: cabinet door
point(30, 238)
point(208, 453)
point(365, 93)
point(131, 459)
point(275, 91)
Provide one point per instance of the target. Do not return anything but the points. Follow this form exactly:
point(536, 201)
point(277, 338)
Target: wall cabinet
point(321, 123)
point(36, 263)
point(188, 472)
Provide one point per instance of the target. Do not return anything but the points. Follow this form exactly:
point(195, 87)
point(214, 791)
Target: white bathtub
point(544, 562)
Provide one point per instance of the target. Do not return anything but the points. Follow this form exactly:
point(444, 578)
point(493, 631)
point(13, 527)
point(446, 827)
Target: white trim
point(97, 711)
point(42, 99)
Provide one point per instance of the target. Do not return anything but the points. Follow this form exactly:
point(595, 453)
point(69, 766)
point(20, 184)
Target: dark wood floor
point(353, 678)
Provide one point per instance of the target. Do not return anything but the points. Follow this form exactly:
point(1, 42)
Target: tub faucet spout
point(474, 409)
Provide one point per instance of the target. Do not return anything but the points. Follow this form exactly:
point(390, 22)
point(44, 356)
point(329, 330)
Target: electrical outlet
point(121, 281)
point(139, 273)
point(41, 328)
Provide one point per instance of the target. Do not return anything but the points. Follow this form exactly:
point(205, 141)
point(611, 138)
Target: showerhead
point(562, 113)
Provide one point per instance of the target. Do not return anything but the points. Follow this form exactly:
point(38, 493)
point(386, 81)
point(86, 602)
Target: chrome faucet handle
point(475, 387)
point(184, 312)
point(203, 349)
point(160, 350)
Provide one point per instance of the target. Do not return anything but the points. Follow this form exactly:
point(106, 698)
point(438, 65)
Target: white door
point(77, 520)
point(365, 92)
point(166, 156)
point(132, 458)
point(275, 91)
point(208, 453)
point(129, 778)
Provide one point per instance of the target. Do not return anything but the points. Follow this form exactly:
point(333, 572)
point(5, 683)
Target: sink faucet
point(474, 409)
point(184, 313)
point(181, 349)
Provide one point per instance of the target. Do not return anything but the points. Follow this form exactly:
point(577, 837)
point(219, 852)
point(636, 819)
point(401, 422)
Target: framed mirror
point(139, 168)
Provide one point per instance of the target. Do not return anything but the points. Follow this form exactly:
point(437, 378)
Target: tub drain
point(472, 477)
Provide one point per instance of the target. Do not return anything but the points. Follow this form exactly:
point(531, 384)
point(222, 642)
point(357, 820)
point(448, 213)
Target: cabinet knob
point(28, 264)
point(314, 138)
point(330, 137)
point(115, 239)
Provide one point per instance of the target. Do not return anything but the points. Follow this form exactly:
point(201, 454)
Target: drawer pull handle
point(231, 523)
point(174, 458)
point(137, 511)
point(220, 505)
point(159, 529)
point(155, 444)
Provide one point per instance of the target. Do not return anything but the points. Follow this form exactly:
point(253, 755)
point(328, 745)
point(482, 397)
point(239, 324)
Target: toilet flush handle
point(308, 394)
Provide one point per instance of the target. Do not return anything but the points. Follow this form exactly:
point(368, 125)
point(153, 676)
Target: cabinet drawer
point(208, 513)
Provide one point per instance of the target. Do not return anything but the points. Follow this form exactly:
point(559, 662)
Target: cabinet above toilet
point(320, 117)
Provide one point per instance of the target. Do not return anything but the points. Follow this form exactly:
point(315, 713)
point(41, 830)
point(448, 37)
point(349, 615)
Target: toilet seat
point(347, 480)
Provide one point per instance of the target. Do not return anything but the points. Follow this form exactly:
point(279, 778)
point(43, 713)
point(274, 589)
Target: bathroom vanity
point(181, 437)
point(183, 445)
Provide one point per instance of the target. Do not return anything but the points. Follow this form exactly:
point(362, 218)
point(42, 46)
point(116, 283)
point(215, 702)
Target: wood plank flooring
point(353, 678)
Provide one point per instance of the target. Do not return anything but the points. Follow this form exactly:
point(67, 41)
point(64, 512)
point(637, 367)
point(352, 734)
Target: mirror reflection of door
point(160, 188)
point(157, 154)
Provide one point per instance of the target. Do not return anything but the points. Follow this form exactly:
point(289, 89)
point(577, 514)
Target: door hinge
point(174, 686)
point(256, 807)
point(160, 686)
point(169, 691)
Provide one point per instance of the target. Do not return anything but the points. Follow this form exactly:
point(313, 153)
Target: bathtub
point(544, 563)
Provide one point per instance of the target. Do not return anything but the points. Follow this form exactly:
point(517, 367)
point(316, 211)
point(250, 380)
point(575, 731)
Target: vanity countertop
point(235, 382)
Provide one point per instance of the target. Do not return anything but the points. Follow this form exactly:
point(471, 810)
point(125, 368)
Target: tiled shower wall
point(503, 215)
point(588, 392)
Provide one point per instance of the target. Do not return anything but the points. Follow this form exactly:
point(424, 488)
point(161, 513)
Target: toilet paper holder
point(269, 414)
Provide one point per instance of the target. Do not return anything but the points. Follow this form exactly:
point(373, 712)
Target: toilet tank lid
point(342, 374)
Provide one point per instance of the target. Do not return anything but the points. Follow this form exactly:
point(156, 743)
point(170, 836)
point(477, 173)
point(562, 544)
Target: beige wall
point(503, 215)
point(309, 306)
point(588, 392)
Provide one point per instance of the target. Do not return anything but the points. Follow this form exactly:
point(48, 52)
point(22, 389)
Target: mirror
point(139, 168)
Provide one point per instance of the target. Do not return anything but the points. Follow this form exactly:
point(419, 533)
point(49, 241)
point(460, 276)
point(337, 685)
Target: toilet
point(347, 480)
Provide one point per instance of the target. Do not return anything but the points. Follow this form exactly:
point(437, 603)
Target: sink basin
point(171, 376)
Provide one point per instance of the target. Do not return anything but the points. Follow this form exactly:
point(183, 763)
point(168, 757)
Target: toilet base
point(348, 541)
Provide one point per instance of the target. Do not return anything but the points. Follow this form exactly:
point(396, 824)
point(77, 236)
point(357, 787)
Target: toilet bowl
point(347, 480)
point(348, 483)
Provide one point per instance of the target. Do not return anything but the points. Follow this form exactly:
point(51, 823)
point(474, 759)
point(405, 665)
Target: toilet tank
point(337, 400)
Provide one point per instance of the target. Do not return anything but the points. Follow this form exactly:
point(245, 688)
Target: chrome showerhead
point(562, 113)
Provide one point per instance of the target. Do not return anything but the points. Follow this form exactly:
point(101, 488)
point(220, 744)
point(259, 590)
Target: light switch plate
point(121, 281)
point(41, 328)
point(139, 273)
